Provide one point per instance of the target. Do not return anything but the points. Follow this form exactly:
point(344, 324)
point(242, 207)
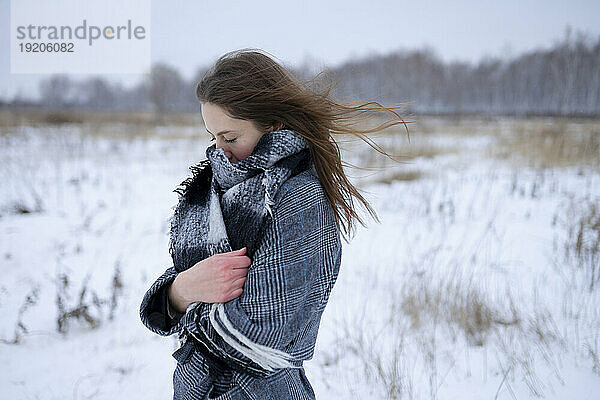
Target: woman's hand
point(216, 279)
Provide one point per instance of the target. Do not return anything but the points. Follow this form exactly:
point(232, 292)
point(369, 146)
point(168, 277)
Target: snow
point(472, 231)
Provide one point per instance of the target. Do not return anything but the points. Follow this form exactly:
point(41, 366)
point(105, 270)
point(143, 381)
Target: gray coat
point(292, 272)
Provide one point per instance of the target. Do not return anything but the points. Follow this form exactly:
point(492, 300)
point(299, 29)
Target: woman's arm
point(218, 278)
point(172, 311)
point(153, 309)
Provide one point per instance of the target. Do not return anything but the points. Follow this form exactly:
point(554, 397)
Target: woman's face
point(237, 137)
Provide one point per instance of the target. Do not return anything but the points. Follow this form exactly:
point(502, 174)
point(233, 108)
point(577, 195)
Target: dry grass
point(457, 126)
point(549, 143)
point(581, 246)
point(31, 299)
point(533, 142)
point(593, 350)
point(425, 309)
point(42, 117)
point(461, 305)
point(577, 261)
point(89, 309)
point(406, 176)
point(388, 372)
point(99, 125)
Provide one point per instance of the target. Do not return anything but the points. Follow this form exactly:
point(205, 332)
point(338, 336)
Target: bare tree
point(166, 89)
point(55, 92)
point(96, 94)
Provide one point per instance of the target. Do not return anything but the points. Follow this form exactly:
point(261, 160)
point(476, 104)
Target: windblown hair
point(250, 85)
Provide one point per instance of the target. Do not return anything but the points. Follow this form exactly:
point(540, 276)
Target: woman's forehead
point(217, 120)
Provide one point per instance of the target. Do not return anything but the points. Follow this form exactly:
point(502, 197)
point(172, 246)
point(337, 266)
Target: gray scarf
point(223, 205)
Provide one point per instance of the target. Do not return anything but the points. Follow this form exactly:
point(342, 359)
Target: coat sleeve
point(154, 309)
point(289, 281)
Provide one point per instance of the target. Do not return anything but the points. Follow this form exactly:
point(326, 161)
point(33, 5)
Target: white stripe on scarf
point(264, 356)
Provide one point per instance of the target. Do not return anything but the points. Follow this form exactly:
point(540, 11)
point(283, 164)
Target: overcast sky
point(191, 33)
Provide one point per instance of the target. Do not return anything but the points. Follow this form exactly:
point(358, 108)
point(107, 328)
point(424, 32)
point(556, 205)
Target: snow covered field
point(481, 281)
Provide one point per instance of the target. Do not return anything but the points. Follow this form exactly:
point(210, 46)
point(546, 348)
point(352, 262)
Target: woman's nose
point(228, 154)
point(219, 145)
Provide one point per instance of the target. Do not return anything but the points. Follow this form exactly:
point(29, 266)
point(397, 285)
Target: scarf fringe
point(264, 356)
point(268, 203)
point(200, 177)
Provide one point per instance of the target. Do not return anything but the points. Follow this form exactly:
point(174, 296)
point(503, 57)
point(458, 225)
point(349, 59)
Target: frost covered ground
point(480, 281)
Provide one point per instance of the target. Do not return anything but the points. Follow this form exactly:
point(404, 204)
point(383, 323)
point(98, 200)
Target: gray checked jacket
point(291, 275)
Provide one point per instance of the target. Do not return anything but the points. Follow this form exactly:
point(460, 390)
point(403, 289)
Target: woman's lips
point(229, 155)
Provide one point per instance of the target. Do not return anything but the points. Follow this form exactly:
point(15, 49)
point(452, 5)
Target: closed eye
point(226, 141)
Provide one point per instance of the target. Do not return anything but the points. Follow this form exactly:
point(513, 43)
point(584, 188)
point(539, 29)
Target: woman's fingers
point(237, 273)
point(217, 278)
point(234, 294)
point(241, 261)
point(230, 272)
point(239, 282)
point(235, 252)
point(236, 289)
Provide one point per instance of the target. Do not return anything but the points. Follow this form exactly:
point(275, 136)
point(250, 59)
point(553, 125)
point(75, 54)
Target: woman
point(255, 237)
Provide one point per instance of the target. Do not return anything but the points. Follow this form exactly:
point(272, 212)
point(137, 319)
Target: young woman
point(255, 237)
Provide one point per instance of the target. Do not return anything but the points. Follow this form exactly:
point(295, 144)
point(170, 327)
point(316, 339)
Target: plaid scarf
point(228, 202)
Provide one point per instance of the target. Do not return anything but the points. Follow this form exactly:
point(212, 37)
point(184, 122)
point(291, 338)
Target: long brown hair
point(250, 85)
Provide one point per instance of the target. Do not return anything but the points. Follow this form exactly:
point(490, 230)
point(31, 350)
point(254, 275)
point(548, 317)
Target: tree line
point(561, 80)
